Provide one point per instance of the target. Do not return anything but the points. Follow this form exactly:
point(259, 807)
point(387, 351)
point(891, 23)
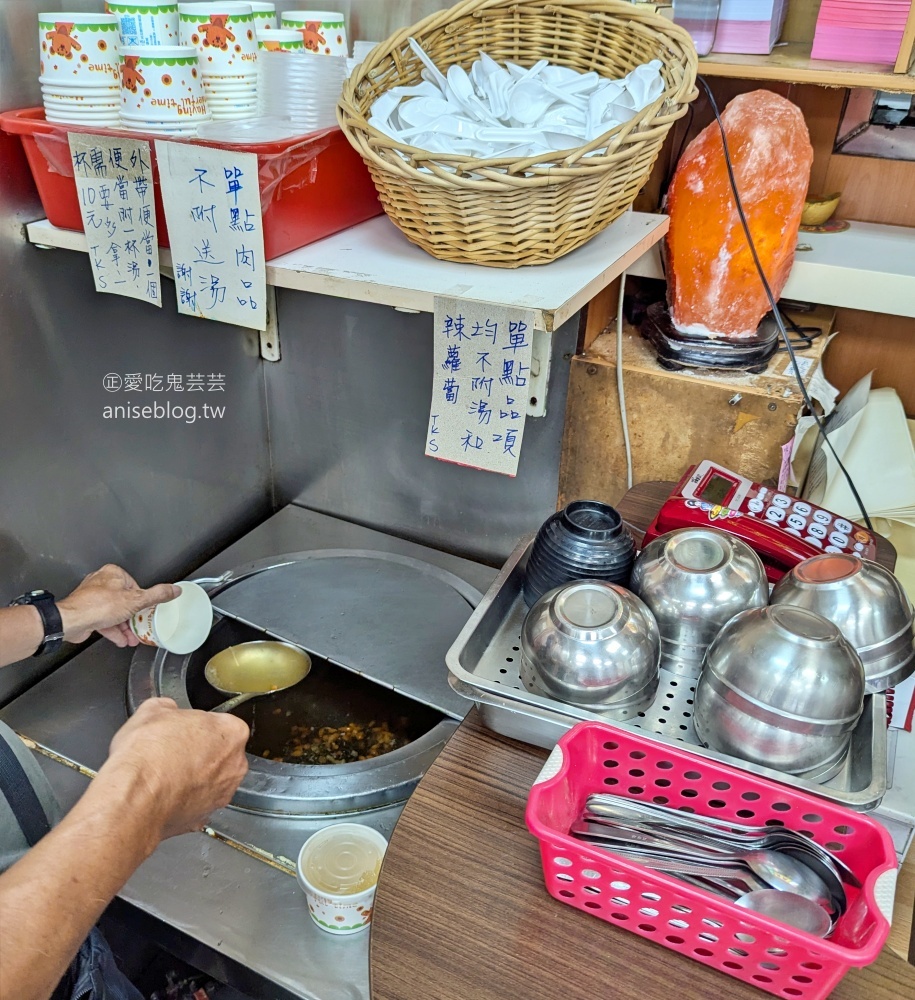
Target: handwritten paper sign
point(480, 384)
point(213, 209)
point(114, 186)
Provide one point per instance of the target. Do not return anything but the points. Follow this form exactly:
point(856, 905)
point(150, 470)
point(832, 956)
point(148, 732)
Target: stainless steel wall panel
point(77, 490)
point(349, 408)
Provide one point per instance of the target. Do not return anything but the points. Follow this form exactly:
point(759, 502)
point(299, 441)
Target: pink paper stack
point(867, 31)
point(749, 26)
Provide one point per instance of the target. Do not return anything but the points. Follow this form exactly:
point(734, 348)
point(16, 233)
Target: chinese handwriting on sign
point(480, 374)
point(114, 186)
point(212, 205)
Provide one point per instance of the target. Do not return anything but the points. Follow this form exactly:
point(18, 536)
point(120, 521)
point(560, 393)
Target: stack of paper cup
point(279, 40)
point(264, 14)
point(79, 68)
point(324, 31)
point(223, 34)
point(300, 88)
point(161, 89)
point(361, 49)
point(145, 22)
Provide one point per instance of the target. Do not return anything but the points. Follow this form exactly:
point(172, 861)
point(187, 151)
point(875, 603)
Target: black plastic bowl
point(585, 540)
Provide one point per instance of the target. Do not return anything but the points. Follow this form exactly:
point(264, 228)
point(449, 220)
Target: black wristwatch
point(43, 602)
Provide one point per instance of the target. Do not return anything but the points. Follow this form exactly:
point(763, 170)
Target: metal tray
point(484, 665)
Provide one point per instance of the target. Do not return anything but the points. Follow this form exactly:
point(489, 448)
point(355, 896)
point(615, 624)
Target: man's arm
point(103, 602)
point(168, 770)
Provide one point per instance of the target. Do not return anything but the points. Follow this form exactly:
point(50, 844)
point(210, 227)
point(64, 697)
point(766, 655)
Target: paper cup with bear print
point(145, 23)
point(338, 870)
point(324, 31)
point(180, 625)
point(78, 50)
point(264, 14)
point(224, 36)
point(161, 84)
point(280, 40)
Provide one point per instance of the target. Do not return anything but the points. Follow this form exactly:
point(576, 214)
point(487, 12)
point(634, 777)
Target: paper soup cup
point(264, 14)
point(145, 23)
point(324, 31)
point(338, 870)
point(78, 48)
point(280, 40)
point(161, 83)
point(223, 34)
point(180, 625)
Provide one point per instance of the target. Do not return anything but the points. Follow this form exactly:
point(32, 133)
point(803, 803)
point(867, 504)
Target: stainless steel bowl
point(694, 580)
point(782, 687)
point(868, 604)
point(593, 644)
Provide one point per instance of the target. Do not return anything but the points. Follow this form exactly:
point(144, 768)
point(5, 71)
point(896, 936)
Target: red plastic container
point(596, 757)
point(311, 186)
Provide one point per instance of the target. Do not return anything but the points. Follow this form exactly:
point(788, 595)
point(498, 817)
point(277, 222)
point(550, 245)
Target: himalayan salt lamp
point(713, 285)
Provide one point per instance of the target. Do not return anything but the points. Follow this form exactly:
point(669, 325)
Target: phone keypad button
point(822, 516)
point(802, 508)
point(775, 514)
point(756, 506)
point(837, 538)
point(859, 547)
point(780, 500)
point(832, 548)
point(846, 527)
point(815, 542)
point(793, 531)
point(796, 521)
point(817, 530)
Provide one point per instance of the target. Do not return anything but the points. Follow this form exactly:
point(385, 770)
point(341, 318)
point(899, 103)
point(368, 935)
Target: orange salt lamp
point(713, 287)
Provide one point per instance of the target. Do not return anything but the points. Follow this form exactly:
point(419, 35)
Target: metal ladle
point(252, 669)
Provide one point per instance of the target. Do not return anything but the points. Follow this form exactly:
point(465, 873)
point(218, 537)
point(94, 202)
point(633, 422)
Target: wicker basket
point(509, 212)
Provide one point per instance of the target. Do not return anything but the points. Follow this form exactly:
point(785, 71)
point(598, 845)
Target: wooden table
point(461, 912)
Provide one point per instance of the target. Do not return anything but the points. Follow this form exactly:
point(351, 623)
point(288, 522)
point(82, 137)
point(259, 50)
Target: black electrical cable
point(821, 424)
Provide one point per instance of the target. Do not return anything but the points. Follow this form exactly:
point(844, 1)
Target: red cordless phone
point(782, 530)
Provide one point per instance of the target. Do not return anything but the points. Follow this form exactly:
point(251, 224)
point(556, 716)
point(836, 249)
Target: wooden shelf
point(867, 267)
point(791, 63)
point(374, 262)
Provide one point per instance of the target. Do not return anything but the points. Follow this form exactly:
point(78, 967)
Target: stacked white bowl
point(161, 89)
point(79, 68)
point(300, 87)
point(223, 34)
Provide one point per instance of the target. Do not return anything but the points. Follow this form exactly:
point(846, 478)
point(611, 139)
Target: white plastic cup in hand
point(338, 870)
point(178, 626)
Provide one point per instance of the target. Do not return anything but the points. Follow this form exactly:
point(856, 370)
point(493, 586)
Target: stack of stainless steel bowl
point(695, 580)
point(592, 644)
point(866, 602)
point(783, 688)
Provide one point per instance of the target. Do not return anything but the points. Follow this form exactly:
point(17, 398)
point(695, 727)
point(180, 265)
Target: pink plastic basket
point(596, 757)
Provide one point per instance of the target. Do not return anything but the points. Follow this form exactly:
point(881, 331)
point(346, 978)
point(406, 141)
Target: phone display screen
point(716, 489)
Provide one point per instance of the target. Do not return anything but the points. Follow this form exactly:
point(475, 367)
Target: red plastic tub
point(311, 186)
point(596, 757)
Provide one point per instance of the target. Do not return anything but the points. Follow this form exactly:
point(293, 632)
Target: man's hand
point(104, 602)
point(191, 762)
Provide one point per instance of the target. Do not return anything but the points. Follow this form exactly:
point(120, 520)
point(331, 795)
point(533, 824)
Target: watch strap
point(53, 626)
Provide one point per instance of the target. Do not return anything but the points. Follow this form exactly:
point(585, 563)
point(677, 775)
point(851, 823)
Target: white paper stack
point(749, 26)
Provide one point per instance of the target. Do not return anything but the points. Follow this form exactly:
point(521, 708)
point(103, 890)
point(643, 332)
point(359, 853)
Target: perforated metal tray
point(484, 665)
